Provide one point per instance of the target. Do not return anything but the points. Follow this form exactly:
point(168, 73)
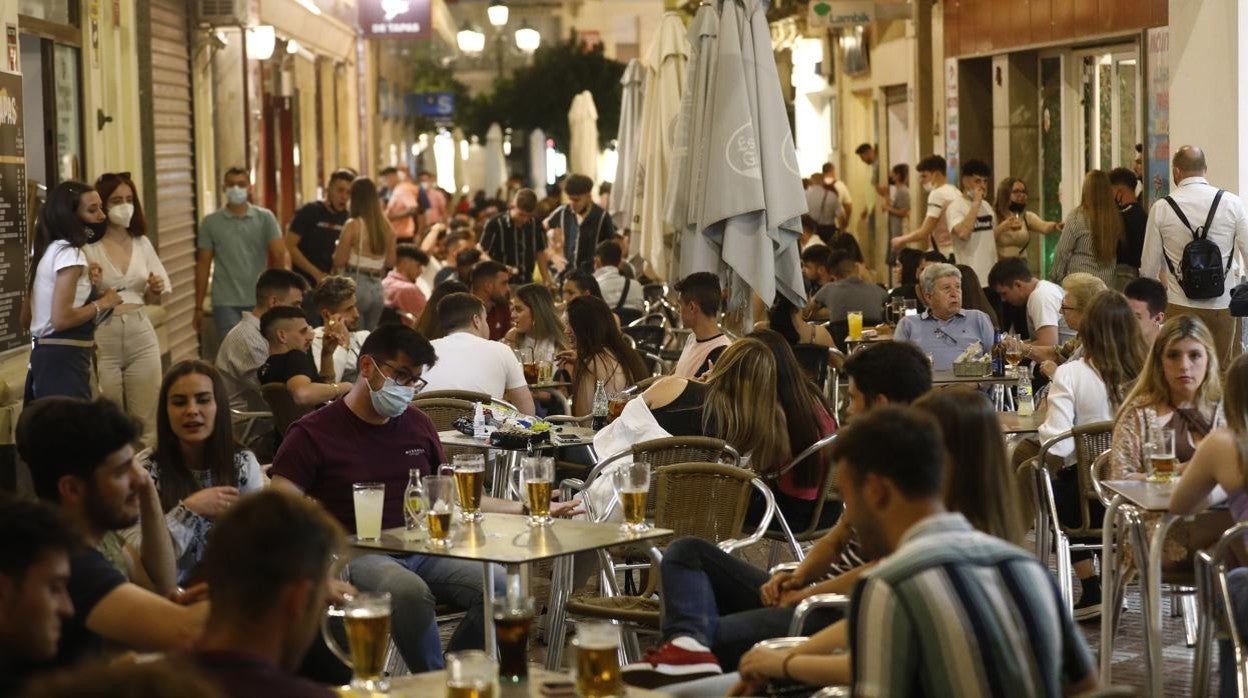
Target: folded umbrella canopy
point(537, 161)
point(495, 163)
point(583, 130)
point(475, 167)
point(627, 147)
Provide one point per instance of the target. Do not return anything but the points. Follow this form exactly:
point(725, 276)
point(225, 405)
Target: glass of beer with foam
point(1162, 463)
point(537, 475)
point(469, 470)
point(438, 505)
point(366, 617)
point(597, 660)
point(471, 674)
point(632, 484)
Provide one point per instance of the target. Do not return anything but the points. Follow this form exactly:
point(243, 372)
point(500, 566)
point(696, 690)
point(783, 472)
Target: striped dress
point(956, 612)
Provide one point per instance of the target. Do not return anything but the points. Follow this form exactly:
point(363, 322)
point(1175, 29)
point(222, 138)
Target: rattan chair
point(824, 366)
point(827, 493)
point(443, 411)
point(1091, 440)
point(649, 338)
point(469, 395)
point(705, 500)
point(282, 403)
point(248, 420)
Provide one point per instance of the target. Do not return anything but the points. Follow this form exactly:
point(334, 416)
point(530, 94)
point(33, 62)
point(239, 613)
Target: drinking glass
point(439, 500)
point(469, 470)
point(911, 307)
point(854, 317)
point(512, 618)
point(471, 674)
point(1162, 463)
point(1013, 350)
point(632, 484)
point(597, 660)
point(616, 404)
point(537, 476)
point(525, 355)
point(898, 306)
point(366, 617)
point(370, 497)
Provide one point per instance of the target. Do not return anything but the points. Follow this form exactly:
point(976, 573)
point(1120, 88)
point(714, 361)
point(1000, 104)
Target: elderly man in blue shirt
point(945, 329)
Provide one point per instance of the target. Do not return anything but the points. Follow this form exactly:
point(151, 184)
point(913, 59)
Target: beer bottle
point(600, 406)
point(998, 355)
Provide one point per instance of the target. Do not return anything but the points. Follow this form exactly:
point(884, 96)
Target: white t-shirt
point(346, 359)
point(937, 200)
point(60, 255)
point(1077, 396)
point(427, 277)
point(1044, 308)
point(468, 362)
point(979, 251)
point(131, 283)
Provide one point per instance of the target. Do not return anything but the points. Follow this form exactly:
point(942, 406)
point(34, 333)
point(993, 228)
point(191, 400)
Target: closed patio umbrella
point(583, 127)
point(475, 167)
point(537, 161)
point(627, 148)
point(495, 162)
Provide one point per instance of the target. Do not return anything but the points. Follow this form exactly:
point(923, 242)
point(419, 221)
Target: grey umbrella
point(628, 149)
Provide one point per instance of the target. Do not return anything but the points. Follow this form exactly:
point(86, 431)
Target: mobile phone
point(558, 688)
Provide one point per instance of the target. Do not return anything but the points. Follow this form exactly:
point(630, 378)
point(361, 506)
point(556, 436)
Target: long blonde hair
point(742, 406)
point(1112, 343)
point(1104, 219)
point(365, 205)
point(1235, 408)
point(546, 322)
point(1152, 389)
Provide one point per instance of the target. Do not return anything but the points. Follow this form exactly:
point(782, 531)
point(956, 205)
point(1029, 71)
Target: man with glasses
point(244, 349)
point(373, 434)
point(945, 330)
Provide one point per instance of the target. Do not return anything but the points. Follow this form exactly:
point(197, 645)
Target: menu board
point(14, 251)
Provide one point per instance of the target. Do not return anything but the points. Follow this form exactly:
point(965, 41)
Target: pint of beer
point(439, 498)
point(471, 674)
point(597, 660)
point(469, 469)
point(538, 475)
point(1162, 463)
point(632, 484)
point(366, 617)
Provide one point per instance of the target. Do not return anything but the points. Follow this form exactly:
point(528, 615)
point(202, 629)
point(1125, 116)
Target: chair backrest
point(813, 358)
point(280, 401)
point(640, 386)
point(707, 500)
point(469, 395)
point(827, 480)
point(627, 315)
point(1091, 440)
point(649, 338)
point(443, 411)
point(654, 293)
point(655, 319)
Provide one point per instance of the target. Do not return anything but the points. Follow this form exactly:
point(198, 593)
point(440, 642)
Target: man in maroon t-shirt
point(373, 435)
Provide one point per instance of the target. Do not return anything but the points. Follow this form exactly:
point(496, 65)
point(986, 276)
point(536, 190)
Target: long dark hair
point(973, 296)
point(801, 403)
point(428, 325)
point(107, 183)
point(780, 319)
point(594, 328)
point(1112, 343)
point(176, 479)
point(585, 281)
point(58, 220)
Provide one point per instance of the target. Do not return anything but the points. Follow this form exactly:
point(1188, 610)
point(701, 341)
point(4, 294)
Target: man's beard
point(107, 518)
point(871, 537)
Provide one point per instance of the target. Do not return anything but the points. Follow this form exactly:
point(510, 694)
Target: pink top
point(788, 481)
point(402, 294)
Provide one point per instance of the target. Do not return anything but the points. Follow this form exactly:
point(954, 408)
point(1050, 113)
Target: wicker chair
point(444, 411)
point(827, 493)
point(1091, 440)
point(282, 404)
point(469, 395)
point(706, 500)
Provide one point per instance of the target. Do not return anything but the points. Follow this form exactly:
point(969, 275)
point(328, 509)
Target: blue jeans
point(416, 583)
point(225, 317)
point(1237, 584)
point(713, 597)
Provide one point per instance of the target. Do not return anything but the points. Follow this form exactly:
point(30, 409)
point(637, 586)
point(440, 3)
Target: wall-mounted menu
point(14, 251)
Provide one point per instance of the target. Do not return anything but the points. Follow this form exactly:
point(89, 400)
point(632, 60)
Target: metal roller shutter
point(170, 160)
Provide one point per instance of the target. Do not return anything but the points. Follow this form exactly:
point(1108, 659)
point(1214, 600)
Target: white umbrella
point(665, 63)
point(495, 162)
point(475, 167)
point(461, 165)
point(583, 128)
point(753, 196)
point(537, 161)
point(627, 145)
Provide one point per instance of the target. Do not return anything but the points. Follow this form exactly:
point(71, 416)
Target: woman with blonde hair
point(1090, 240)
point(366, 248)
point(1081, 288)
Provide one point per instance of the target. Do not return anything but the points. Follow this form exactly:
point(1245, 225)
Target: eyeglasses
point(404, 377)
point(944, 336)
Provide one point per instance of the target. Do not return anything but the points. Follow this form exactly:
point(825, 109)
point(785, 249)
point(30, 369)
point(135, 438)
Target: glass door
point(1111, 110)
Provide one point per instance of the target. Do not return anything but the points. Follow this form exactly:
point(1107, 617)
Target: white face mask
point(236, 196)
point(121, 214)
point(927, 187)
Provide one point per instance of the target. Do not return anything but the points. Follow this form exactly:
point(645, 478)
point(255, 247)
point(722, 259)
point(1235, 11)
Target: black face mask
point(1016, 207)
point(97, 229)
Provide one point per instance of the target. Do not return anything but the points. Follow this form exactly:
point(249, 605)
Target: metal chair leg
point(773, 557)
point(395, 666)
point(1064, 572)
point(630, 647)
point(1191, 617)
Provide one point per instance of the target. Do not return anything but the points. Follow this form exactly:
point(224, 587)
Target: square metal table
point(433, 683)
point(1131, 500)
point(946, 377)
point(1014, 423)
point(510, 462)
point(509, 540)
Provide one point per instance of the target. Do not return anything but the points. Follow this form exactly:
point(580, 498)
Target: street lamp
point(498, 13)
point(528, 38)
point(470, 40)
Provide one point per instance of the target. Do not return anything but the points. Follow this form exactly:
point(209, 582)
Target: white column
point(1208, 88)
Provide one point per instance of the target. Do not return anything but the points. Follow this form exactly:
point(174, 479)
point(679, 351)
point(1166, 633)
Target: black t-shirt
point(683, 416)
point(318, 229)
point(91, 578)
point(1131, 247)
point(279, 368)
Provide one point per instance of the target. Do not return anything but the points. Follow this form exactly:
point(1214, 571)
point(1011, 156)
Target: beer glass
point(439, 501)
point(854, 317)
point(537, 476)
point(1162, 463)
point(469, 470)
point(597, 660)
point(632, 484)
point(369, 500)
point(512, 618)
point(1013, 350)
point(366, 617)
point(471, 674)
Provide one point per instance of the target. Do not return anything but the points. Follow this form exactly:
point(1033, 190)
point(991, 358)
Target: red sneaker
point(669, 663)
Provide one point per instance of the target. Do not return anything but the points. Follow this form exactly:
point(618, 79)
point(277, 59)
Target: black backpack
point(1203, 275)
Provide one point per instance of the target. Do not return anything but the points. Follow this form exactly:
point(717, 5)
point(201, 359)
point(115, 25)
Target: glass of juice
point(369, 497)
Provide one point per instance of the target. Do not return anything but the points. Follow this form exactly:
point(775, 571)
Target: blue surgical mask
point(236, 196)
point(391, 399)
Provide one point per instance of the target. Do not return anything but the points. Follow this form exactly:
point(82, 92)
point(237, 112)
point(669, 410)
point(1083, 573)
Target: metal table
point(1132, 499)
point(509, 540)
point(549, 385)
point(433, 683)
point(946, 377)
point(510, 462)
point(1014, 423)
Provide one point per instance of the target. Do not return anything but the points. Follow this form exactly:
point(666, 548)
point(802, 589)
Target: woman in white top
point(128, 350)
point(63, 305)
point(535, 323)
point(1085, 390)
point(365, 250)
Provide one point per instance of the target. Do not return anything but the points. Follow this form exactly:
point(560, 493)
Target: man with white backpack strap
point(1178, 238)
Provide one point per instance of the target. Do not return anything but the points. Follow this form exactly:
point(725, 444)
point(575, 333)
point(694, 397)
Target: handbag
point(1239, 300)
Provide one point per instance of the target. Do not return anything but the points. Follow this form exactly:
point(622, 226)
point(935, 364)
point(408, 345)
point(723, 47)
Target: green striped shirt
point(956, 612)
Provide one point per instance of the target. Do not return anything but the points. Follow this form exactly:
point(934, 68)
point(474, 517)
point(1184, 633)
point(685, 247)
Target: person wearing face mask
point(933, 233)
point(584, 224)
point(1015, 223)
point(195, 464)
point(243, 239)
point(64, 306)
point(128, 354)
point(374, 434)
point(1122, 182)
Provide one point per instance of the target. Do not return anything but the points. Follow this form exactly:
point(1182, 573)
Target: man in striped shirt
point(950, 611)
point(515, 239)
